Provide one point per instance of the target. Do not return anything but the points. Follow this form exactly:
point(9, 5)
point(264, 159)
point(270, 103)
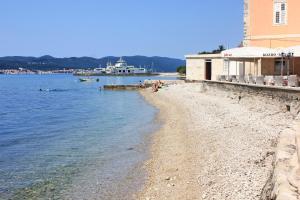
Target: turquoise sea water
point(71, 141)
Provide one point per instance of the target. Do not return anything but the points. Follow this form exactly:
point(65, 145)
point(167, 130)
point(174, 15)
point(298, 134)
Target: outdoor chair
point(293, 81)
point(233, 78)
point(278, 81)
point(260, 80)
point(228, 78)
point(269, 80)
point(250, 79)
point(242, 79)
point(223, 78)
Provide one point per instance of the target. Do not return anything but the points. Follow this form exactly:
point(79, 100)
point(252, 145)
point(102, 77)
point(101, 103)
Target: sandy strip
point(211, 145)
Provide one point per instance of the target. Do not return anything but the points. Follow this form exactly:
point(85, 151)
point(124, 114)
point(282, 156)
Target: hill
point(160, 64)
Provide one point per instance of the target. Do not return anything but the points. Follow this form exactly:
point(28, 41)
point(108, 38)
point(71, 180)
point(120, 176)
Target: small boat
point(85, 79)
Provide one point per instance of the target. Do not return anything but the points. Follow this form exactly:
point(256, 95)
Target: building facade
point(204, 67)
point(271, 23)
point(268, 24)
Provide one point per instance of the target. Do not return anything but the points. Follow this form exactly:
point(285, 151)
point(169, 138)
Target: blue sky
point(98, 28)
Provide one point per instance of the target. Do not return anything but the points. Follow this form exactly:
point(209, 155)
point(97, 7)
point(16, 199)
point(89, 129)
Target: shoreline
point(210, 145)
point(174, 173)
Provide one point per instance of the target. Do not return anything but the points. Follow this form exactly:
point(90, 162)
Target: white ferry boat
point(121, 68)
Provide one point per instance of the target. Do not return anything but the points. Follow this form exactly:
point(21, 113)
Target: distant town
point(28, 71)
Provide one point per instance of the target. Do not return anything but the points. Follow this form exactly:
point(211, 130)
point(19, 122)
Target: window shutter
point(277, 18)
point(283, 13)
point(277, 13)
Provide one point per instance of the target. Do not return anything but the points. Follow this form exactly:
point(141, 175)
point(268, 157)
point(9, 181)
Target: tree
point(219, 50)
point(181, 69)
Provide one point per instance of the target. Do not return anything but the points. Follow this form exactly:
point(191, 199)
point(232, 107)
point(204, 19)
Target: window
point(277, 18)
point(280, 12)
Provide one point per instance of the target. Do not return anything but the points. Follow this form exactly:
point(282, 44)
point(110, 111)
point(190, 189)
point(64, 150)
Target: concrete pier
point(123, 87)
point(146, 84)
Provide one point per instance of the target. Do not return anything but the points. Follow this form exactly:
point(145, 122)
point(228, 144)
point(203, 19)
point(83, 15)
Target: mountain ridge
point(48, 62)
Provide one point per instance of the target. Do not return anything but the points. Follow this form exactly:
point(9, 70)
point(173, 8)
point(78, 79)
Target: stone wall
point(284, 183)
point(289, 97)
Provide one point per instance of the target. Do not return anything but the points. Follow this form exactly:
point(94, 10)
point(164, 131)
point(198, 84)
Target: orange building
point(271, 45)
point(271, 23)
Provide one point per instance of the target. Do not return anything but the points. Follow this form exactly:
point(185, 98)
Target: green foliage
point(219, 50)
point(205, 52)
point(181, 69)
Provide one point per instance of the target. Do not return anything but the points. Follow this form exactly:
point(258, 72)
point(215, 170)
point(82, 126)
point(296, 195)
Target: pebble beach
point(211, 144)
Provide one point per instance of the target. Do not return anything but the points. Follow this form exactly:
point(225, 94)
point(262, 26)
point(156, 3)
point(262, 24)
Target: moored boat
point(85, 79)
point(120, 68)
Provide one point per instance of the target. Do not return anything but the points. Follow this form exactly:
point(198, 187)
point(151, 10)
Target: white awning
point(295, 50)
point(250, 52)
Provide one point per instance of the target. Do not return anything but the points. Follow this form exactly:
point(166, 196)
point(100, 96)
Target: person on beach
point(141, 85)
point(160, 84)
point(155, 86)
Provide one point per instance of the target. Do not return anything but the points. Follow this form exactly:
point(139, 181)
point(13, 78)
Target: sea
point(65, 139)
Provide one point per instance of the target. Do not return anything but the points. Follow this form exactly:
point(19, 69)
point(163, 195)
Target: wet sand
point(212, 145)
